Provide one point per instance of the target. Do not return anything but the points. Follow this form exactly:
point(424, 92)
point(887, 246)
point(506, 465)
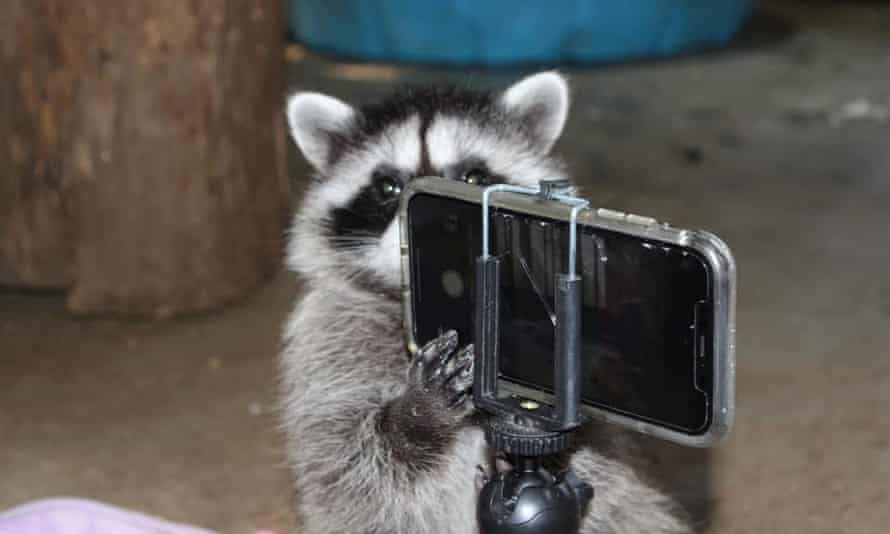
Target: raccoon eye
point(389, 187)
point(476, 177)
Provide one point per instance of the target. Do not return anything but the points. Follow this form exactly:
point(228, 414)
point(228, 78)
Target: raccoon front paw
point(443, 374)
point(421, 424)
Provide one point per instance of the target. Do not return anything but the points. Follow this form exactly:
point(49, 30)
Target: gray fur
point(358, 413)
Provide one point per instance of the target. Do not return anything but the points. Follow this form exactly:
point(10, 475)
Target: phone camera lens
point(452, 222)
point(453, 284)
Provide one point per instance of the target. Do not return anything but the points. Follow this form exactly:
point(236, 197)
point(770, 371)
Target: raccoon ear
point(315, 120)
point(542, 102)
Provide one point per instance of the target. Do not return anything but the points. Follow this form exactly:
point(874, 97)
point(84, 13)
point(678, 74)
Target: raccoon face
point(363, 158)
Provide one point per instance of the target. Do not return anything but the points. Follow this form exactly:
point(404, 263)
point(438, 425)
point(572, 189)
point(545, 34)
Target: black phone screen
point(646, 350)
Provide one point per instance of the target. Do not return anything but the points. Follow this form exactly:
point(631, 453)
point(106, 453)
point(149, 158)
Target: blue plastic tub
point(502, 32)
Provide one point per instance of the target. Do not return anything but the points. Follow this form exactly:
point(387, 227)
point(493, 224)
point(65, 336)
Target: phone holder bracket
point(551, 189)
point(567, 370)
point(529, 499)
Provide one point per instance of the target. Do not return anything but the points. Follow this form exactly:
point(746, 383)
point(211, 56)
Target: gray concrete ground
point(782, 147)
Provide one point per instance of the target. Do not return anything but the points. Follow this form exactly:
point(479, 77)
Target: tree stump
point(144, 161)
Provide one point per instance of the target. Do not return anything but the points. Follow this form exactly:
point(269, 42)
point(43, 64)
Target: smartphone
point(658, 304)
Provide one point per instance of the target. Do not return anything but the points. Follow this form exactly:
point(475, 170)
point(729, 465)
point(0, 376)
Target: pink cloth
point(79, 516)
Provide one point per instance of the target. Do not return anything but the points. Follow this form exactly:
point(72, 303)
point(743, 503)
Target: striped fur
point(372, 449)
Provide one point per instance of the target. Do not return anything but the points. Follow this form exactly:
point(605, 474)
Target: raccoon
point(379, 441)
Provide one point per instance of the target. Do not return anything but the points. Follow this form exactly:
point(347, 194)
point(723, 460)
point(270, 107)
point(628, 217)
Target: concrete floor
point(173, 418)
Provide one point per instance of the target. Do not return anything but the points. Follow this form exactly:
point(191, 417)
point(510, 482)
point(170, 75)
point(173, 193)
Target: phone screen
point(646, 337)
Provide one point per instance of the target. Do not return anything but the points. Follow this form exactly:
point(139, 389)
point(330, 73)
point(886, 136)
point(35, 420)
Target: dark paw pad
point(440, 369)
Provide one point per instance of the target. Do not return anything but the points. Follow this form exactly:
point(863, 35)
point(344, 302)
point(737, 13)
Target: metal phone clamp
point(530, 499)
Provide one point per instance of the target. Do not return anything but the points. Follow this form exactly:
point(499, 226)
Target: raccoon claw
point(481, 478)
point(438, 367)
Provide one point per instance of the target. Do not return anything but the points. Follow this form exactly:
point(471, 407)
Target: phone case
point(713, 250)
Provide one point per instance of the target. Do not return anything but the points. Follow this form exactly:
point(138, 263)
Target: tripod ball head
point(530, 500)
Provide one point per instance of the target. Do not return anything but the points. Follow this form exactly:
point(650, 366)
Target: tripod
point(530, 499)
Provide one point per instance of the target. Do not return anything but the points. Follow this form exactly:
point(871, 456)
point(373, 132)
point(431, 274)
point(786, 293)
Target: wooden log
point(157, 129)
point(35, 233)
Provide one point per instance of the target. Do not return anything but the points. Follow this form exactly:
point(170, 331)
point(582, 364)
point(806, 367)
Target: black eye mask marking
point(371, 211)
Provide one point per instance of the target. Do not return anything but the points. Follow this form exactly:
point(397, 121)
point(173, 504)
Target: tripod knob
point(512, 438)
point(530, 500)
point(549, 188)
